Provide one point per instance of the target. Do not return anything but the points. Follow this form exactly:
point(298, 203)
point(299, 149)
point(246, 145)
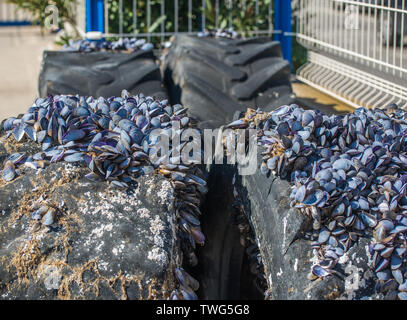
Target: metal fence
point(357, 49)
point(9, 16)
point(195, 11)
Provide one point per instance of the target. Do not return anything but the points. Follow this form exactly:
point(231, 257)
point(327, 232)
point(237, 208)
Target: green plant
point(244, 16)
point(156, 20)
point(63, 39)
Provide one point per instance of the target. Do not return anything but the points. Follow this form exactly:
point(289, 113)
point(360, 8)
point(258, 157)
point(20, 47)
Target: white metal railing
point(355, 47)
point(351, 85)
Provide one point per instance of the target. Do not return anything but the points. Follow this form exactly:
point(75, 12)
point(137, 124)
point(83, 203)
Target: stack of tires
point(214, 78)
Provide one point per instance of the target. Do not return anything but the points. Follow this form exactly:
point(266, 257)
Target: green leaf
point(157, 23)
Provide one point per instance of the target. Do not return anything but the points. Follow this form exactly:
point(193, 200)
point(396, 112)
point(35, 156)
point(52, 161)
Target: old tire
point(100, 74)
point(217, 77)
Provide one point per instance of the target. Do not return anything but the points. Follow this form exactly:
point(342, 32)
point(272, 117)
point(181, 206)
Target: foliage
point(243, 16)
point(156, 20)
point(63, 39)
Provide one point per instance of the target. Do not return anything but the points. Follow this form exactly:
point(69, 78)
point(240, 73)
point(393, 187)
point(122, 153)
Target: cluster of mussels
point(349, 175)
point(115, 139)
point(45, 214)
point(220, 33)
point(123, 44)
point(187, 288)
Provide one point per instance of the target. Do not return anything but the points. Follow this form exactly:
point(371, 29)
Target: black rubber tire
point(100, 74)
point(221, 258)
point(217, 77)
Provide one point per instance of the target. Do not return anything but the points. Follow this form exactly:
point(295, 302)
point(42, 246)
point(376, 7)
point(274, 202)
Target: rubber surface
point(217, 77)
point(221, 258)
point(100, 74)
